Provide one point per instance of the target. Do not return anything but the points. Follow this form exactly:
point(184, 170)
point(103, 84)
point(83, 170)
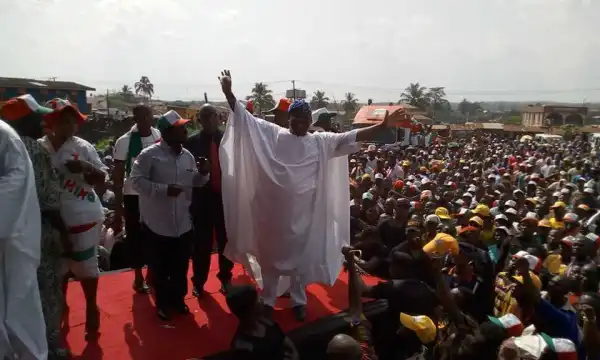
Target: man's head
point(300, 117)
point(142, 115)
point(343, 347)
point(64, 120)
point(243, 302)
point(172, 128)
point(208, 118)
point(321, 118)
point(280, 111)
point(24, 114)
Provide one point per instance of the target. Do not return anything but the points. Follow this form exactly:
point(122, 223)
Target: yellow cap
point(477, 220)
point(406, 163)
point(552, 263)
point(558, 204)
point(544, 223)
point(534, 279)
point(482, 210)
point(442, 213)
point(422, 325)
point(441, 244)
point(532, 200)
point(366, 176)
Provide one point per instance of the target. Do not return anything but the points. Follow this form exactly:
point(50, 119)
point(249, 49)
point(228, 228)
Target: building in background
point(553, 115)
point(44, 90)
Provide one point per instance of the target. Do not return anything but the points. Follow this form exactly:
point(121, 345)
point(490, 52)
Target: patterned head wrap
point(302, 106)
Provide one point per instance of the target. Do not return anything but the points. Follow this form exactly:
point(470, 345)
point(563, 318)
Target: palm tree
point(415, 95)
point(126, 92)
point(319, 100)
point(144, 87)
point(350, 103)
point(437, 100)
point(262, 97)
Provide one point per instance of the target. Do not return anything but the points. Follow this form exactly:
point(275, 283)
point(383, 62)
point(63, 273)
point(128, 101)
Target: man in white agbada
point(285, 197)
point(22, 327)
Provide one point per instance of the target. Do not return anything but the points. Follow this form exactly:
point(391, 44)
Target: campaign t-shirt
point(79, 203)
point(122, 150)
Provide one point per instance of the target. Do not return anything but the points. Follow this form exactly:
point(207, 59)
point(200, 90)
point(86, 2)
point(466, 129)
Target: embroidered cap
point(21, 106)
point(170, 118)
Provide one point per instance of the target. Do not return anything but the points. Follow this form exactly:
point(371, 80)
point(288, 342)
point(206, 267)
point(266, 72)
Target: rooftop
point(42, 84)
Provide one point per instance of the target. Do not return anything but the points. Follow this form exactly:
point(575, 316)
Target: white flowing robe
point(22, 326)
point(285, 198)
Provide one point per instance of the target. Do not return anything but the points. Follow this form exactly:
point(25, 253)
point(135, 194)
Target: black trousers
point(208, 217)
point(136, 245)
point(168, 262)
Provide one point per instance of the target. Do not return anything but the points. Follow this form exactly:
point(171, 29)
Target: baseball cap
point(510, 322)
point(534, 262)
point(170, 118)
point(21, 106)
point(282, 105)
point(482, 210)
point(441, 244)
point(558, 204)
point(442, 213)
point(422, 326)
point(432, 219)
point(321, 115)
point(58, 106)
point(477, 220)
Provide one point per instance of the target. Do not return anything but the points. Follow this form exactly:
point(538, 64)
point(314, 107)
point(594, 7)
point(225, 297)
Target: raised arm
point(369, 133)
point(225, 80)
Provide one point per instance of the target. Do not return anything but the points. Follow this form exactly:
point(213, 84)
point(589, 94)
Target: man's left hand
point(75, 166)
point(203, 165)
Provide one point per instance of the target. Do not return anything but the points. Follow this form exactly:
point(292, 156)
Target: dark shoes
point(182, 309)
point(162, 314)
point(140, 287)
point(299, 312)
point(199, 292)
point(267, 311)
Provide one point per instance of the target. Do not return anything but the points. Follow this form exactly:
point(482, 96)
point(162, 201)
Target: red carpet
point(131, 330)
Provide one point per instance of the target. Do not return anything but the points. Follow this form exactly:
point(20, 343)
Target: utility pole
point(205, 98)
point(294, 88)
point(107, 107)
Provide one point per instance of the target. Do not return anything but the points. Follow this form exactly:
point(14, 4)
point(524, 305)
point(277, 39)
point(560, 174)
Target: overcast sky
point(478, 49)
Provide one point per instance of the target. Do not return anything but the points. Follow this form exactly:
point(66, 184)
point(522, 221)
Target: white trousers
point(270, 284)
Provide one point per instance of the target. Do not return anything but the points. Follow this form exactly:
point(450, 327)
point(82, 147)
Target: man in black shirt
point(207, 204)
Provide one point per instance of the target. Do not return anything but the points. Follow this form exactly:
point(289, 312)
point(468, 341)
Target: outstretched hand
point(225, 80)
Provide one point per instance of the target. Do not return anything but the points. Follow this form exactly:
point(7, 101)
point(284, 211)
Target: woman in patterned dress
point(28, 124)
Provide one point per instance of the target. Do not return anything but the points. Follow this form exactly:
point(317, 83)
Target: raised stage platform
point(130, 329)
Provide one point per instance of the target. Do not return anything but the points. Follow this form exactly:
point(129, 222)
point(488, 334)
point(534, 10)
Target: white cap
point(511, 211)
point(511, 203)
point(533, 261)
point(467, 194)
point(500, 217)
point(432, 218)
point(379, 176)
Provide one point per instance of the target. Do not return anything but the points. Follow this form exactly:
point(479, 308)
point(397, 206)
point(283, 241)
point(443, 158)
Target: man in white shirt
point(127, 148)
point(22, 327)
point(164, 175)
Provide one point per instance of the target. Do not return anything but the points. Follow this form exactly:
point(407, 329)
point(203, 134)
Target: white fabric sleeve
point(121, 148)
point(140, 177)
point(341, 144)
point(13, 167)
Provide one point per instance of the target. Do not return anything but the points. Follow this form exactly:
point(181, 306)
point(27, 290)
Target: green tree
point(126, 92)
point(319, 100)
point(415, 95)
point(437, 101)
point(262, 97)
point(144, 87)
point(350, 103)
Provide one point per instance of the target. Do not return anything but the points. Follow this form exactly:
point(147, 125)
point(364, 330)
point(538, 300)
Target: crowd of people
point(486, 246)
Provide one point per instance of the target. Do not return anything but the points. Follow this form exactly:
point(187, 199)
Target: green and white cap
point(510, 322)
point(170, 118)
point(21, 106)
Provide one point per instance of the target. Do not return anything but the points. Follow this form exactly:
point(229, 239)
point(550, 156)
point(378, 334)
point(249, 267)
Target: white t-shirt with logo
point(79, 204)
point(122, 150)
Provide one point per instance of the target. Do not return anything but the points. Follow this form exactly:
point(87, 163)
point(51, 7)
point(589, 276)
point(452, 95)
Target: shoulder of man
point(150, 149)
